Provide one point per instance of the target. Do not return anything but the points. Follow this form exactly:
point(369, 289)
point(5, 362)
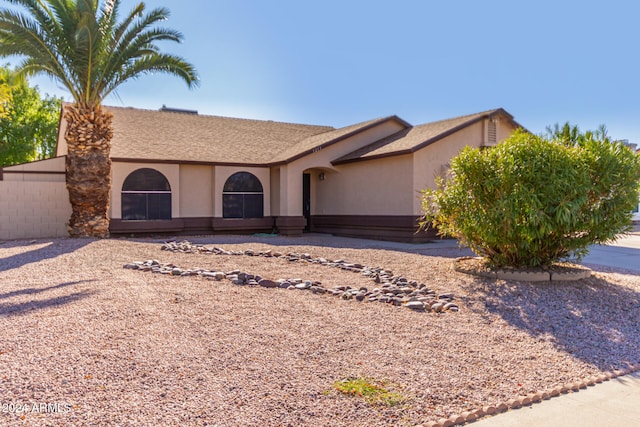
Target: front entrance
point(306, 199)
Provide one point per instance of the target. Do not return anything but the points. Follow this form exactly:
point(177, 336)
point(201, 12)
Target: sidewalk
point(612, 403)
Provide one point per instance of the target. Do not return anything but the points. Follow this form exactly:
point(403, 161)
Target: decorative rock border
point(560, 272)
point(520, 401)
point(387, 287)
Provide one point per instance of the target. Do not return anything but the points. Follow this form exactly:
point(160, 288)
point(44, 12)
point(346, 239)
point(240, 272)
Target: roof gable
point(322, 140)
point(417, 137)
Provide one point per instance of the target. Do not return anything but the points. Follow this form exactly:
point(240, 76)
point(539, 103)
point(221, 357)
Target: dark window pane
point(159, 206)
point(236, 203)
point(242, 182)
point(232, 205)
point(144, 204)
point(134, 206)
point(146, 180)
point(253, 206)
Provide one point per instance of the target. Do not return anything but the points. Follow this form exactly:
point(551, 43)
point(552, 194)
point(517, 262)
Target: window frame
point(164, 208)
point(244, 203)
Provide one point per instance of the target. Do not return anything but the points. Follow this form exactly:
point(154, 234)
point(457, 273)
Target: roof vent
point(177, 110)
point(492, 132)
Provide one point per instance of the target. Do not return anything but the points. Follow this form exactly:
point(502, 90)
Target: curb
point(578, 273)
point(528, 400)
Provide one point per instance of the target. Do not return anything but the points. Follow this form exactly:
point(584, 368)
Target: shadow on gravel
point(18, 309)
point(608, 269)
point(592, 319)
point(52, 249)
point(34, 291)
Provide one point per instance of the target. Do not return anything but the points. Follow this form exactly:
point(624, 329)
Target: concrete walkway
point(613, 403)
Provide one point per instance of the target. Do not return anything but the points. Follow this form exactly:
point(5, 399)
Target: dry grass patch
point(373, 391)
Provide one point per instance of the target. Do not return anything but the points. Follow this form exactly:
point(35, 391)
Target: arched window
point(146, 195)
point(242, 197)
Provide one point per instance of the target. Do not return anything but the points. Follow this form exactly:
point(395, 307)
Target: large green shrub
point(532, 200)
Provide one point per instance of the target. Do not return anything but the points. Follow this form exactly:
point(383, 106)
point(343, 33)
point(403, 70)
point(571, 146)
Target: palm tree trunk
point(88, 169)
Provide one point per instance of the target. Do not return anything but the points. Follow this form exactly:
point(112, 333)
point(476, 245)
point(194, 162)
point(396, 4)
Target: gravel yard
point(104, 345)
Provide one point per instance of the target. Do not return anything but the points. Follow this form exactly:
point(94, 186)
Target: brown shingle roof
point(166, 136)
point(169, 136)
point(311, 143)
point(417, 137)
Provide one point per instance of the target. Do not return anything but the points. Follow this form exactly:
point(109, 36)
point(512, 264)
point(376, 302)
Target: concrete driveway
point(624, 253)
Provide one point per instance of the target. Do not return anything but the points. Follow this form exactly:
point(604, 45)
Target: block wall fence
point(33, 210)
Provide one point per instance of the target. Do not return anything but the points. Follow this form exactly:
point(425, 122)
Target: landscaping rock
point(415, 305)
point(266, 283)
point(437, 307)
point(392, 289)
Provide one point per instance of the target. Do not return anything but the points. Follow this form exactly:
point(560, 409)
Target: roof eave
point(190, 162)
point(461, 126)
point(374, 157)
point(341, 138)
point(499, 111)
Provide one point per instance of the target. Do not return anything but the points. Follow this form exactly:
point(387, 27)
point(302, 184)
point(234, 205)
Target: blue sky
point(340, 62)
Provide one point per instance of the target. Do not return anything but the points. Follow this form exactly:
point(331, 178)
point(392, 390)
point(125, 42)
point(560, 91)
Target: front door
point(306, 199)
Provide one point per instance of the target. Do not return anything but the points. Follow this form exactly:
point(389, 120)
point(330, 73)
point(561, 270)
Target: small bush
point(531, 201)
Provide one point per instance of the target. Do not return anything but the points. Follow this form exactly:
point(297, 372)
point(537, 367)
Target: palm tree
point(82, 45)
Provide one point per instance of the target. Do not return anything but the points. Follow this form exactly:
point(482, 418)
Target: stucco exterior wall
point(275, 191)
point(504, 130)
point(291, 174)
point(120, 171)
point(374, 187)
point(33, 210)
point(196, 191)
point(434, 159)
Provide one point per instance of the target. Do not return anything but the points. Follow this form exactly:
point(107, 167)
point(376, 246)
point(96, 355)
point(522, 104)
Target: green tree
point(532, 201)
point(29, 127)
point(84, 46)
